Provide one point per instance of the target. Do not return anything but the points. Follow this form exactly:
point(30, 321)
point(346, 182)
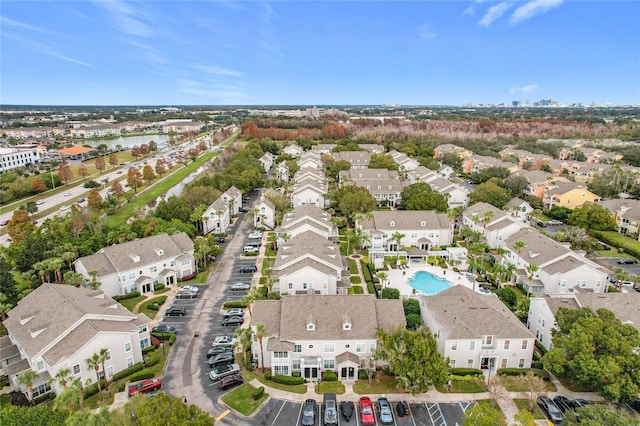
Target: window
point(506, 344)
point(40, 365)
point(503, 363)
point(470, 363)
point(75, 369)
point(108, 357)
point(41, 390)
point(173, 263)
point(454, 346)
point(521, 363)
point(186, 262)
point(329, 347)
point(360, 348)
point(282, 370)
point(540, 337)
point(487, 340)
point(132, 275)
point(280, 354)
point(452, 363)
point(144, 343)
point(144, 329)
point(304, 286)
point(290, 286)
point(372, 347)
point(598, 283)
point(123, 278)
point(153, 269)
point(525, 343)
point(297, 348)
point(295, 364)
point(329, 364)
point(563, 283)
point(127, 346)
point(581, 283)
point(129, 361)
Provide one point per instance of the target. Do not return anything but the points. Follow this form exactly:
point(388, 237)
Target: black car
point(402, 408)
point(235, 320)
point(221, 359)
point(176, 311)
point(346, 409)
point(309, 413)
point(580, 402)
point(220, 349)
point(627, 261)
point(563, 403)
point(243, 210)
point(635, 404)
point(163, 329)
point(550, 409)
point(219, 240)
point(248, 269)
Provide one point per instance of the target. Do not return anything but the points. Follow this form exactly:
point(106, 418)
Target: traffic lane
point(633, 269)
point(420, 415)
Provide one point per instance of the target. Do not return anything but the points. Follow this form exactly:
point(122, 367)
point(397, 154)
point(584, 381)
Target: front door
point(352, 373)
point(146, 288)
point(310, 373)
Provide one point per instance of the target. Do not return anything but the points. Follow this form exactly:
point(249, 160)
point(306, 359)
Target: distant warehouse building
point(11, 158)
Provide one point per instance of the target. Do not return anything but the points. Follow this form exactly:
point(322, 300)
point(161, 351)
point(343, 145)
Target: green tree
point(25, 380)
point(591, 216)
point(491, 193)
point(516, 185)
point(595, 350)
point(19, 226)
point(427, 201)
point(600, 414)
point(144, 411)
point(390, 293)
point(482, 414)
point(525, 418)
point(413, 357)
point(12, 415)
point(261, 333)
point(354, 199)
point(382, 161)
point(93, 363)
point(451, 159)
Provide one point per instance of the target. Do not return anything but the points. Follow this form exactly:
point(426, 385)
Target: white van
point(250, 249)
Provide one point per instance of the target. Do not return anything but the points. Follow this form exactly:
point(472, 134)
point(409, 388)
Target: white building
point(11, 158)
point(60, 326)
point(138, 265)
point(312, 334)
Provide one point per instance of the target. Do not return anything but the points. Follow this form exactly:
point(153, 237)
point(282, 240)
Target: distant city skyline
point(320, 53)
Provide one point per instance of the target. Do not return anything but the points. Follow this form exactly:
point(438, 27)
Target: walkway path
point(363, 284)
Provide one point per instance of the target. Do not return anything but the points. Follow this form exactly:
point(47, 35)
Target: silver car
point(240, 286)
point(384, 411)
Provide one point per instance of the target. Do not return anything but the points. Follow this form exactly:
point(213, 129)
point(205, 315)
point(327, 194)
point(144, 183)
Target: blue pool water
point(428, 283)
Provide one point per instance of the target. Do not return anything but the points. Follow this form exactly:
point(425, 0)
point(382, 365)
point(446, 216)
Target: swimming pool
point(428, 283)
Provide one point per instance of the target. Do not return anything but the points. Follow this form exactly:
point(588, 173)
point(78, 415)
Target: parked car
point(248, 269)
point(384, 411)
point(230, 381)
point(145, 386)
point(346, 408)
point(255, 235)
point(223, 371)
point(563, 403)
point(233, 312)
point(64, 208)
point(604, 246)
point(189, 288)
point(580, 402)
point(220, 349)
point(627, 261)
point(221, 340)
point(330, 409)
point(221, 359)
point(163, 329)
point(550, 409)
point(402, 408)
point(309, 412)
point(250, 249)
point(4, 222)
point(219, 240)
point(366, 411)
point(240, 286)
point(243, 209)
point(81, 200)
point(40, 202)
point(175, 311)
point(187, 294)
point(235, 320)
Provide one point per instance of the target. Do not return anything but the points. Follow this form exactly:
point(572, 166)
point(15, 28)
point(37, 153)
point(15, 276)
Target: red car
point(145, 386)
point(366, 411)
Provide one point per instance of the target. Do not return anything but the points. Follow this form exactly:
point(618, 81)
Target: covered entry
point(310, 367)
point(348, 364)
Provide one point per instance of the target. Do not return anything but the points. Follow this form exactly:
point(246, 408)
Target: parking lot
point(284, 413)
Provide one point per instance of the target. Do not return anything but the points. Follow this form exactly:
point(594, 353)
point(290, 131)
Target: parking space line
point(279, 411)
point(223, 415)
point(465, 406)
point(436, 415)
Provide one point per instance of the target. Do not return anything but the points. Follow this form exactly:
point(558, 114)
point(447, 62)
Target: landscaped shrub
point(364, 374)
point(162, 336)
point(287, 380)
point(267, 375)
point(414, 321)
point(92, 389)
point(355, 279)
point(257, 394)
point(296, 374)
point(357, 289)
point(189, 277)
point(411, 306)
point(128, 371)
point(172, 339)
point(155, 304)
point(543, 374)
point(329, 376)
point(390, 293)
point(158, 286)
point(129, 295)
point(234, 304)
point(148, 349)
point(465, 372)
point(153, 359)
point(121, 387)
point(372, 289)
point(142, 375)
point(262, 291)
point(538, 364)
point(353, 267)
point(47, 396)
point(262, 280)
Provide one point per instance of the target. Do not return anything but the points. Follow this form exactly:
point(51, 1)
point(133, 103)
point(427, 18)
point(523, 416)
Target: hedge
point(257, 394)
point(128, 371)
point(263, 291)
point(92, 389)
point(357, 289)
point(142, 375)
point(372, 289)
point(296, 374)
point(263, 280)
point(364, 374)
point(329, 376)
point(163, 335)
point(129, 295)
point(158, 286)
point(287, 380)
point(234, 304)
point(618, 240)
point(153, 359)
point(49, 395)
point(148, 349)
point(543, 374)
point(267, 375)
point(465, 372)
point(354, 279)
point(353, 267)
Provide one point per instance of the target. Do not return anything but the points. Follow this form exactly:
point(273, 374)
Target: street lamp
point(53, 182)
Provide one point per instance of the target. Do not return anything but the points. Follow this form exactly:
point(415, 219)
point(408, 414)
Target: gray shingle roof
point(625, 306)
point(539, 249)
point(288, 317)
point(406, 220)
point(308, 244)
point(461, 313)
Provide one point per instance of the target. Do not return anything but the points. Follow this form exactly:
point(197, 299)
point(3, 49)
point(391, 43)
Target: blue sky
point(319, 53)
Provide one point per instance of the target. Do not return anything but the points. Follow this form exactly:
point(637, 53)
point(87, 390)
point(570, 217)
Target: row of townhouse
point(58, 327)
point(626, 213)
point(217, 217)
point(310, 187)
point(556, 190)
point(558, 269)
point(385, 186)
point(457, 195)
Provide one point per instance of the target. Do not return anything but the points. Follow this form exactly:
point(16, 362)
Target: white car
point(64, 208)
point(223, 340)
point(40, 202)
point(189, 288)
point(67, 194)
point(223, 371)
point(255, 235)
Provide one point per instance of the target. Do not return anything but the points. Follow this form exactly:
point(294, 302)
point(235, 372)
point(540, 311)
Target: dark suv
point(175, 311)
point(248, 269)
point(626, 261)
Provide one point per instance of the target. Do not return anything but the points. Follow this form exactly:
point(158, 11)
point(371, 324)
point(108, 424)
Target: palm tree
point(261, 333)
point(620, 275)
point(104, 356)
point(56, 265)
point(62, 377)
point(69, 256)
point(93, 363)
point(397, 237)
point(26, 379)
point(498, 270)
point(519, 245)
point(531, 270)
point(510, 271)
point(94, 284)
point(243, 342)
point(383, 276)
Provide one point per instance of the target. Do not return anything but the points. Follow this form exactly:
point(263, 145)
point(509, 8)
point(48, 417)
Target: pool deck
point(398, 278)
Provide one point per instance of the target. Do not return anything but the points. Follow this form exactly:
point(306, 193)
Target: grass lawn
point(619, 240)
point(379, 384)
point(241, 399)
point(572, 388)
point(512, 384)
point(464, 386)
point(496, 406)
point(201, 278)
point(164, 290)
point(255, 374)
point(330, 387)
point(146, 306)
point(130, 303)
point(523, 403)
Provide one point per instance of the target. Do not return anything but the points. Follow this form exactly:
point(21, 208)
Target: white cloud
point(8, 22)
point(45, 49)
point(493, 13)
point(425, 32)
point(530, 88)
point(533, 8)
point(471, 10)
point(217, 70)
point(128, 19)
